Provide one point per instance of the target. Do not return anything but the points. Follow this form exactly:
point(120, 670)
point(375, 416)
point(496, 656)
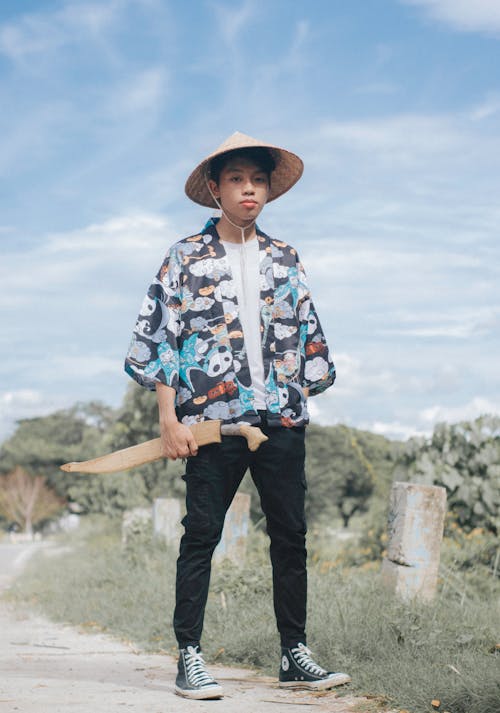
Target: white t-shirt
point(244, 262)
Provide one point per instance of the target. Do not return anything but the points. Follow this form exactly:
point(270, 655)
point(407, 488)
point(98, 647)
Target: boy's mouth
point(248, 204)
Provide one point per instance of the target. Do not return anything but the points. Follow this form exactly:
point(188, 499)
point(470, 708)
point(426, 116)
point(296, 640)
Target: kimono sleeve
point(317, 367)
point(153, 354)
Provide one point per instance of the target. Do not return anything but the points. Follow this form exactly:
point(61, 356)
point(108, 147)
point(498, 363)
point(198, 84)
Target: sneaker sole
point(339, 679)
point(200, 694)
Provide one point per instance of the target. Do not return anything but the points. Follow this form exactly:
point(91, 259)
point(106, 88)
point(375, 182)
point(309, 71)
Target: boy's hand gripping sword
point(204, 433)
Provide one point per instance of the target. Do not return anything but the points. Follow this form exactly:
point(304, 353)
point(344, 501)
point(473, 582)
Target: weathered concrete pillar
point(135, 522)
point(233, 544)
point(415, 525)
point(167, 519)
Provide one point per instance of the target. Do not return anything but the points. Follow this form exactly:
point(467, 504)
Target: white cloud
point(465, 15)
point(425, 191)
point(429, 417)
point(459, 324)
point(74, 313)
point(424, 292)
point(92, 17)
point(143, 92)
point(403, 172)
point(32, 35)
point(270, 78)
point(407, 138)
point(322, 409)
point(43, 32)
point(328, 409)
point(396, 430)
point(356, 376)
point(384, 54)
point(478, 406)
point(25, 403)
point(424, 188)
point(24, 397)
point(296, 58)
point(382, 88)
point(32, 138)
point(489, 107)
point(351, 259)
point(123, 245)
point(86, 366)
point(115, 236)
point(232, 19)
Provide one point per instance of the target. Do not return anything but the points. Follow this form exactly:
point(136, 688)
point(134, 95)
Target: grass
point(408, 654)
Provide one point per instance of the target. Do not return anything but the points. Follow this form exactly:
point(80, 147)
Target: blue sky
point(394, 105)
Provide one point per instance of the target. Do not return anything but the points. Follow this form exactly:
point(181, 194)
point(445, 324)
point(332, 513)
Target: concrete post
point(415, 528)
point(135, 522)
point(233, 543)
point(167, 519)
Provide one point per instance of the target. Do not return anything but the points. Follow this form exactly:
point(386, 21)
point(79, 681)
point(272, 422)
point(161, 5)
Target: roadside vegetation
point(405, 655)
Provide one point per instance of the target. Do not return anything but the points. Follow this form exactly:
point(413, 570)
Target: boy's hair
point(258, 155)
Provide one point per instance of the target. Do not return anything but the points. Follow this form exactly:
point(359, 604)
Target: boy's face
point(242, 190)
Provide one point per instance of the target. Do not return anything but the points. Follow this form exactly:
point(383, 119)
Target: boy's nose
point(248, 187)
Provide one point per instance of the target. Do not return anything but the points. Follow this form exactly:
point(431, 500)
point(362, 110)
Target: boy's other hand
point(177, 440)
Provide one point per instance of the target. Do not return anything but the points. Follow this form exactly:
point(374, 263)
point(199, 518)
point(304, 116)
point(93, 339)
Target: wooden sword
point(149, 451)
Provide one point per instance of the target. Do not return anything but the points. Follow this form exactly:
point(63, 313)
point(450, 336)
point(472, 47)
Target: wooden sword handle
point(253, 434)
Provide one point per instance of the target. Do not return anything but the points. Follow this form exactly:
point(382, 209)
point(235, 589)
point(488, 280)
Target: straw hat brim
point(288, 170)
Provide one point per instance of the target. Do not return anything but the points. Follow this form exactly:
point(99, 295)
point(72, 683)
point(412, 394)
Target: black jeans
point(212, 479)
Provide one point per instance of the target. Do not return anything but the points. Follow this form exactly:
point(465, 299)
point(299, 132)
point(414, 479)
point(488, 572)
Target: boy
point(228, 331)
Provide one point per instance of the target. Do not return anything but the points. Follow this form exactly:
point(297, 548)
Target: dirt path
point(51, 668)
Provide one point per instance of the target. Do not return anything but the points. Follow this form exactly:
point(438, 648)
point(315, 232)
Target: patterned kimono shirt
point(189, 336)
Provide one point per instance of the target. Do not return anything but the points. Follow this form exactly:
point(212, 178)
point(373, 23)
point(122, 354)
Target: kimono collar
point(211, 227)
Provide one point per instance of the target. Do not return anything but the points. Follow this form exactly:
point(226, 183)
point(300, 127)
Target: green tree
point(134, 422)
point(465, 459)
point(137, 421)
point(109, 494)
point(40, 445)
point(340, 471)
point(347, 470)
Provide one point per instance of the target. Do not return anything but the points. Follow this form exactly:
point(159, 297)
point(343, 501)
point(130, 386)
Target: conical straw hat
point(289, 168)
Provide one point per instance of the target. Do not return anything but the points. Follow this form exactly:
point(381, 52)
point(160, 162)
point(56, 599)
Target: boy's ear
point(214, 187)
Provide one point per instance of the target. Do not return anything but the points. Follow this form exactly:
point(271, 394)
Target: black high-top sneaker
point(193, 679)
point(299, 670)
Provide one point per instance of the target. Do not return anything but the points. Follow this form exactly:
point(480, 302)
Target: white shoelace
point(196, 672)
point(302, 656)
